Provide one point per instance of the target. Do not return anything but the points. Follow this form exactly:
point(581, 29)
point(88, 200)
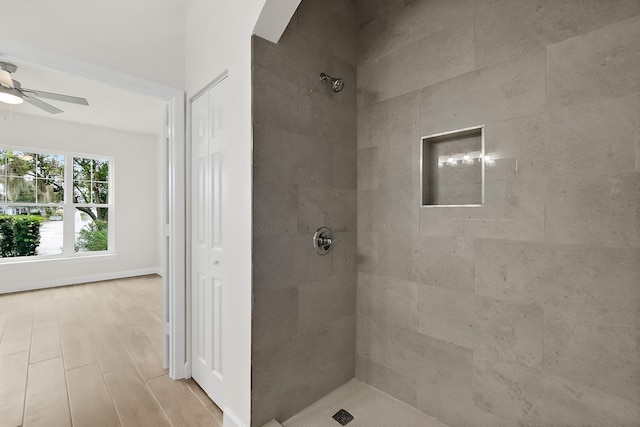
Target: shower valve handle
point(323, 241)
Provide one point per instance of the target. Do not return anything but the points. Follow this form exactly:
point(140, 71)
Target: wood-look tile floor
point(90, 355)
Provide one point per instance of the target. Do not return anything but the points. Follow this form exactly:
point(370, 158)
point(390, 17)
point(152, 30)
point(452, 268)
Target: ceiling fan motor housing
point(10, 68)
point(5, 75)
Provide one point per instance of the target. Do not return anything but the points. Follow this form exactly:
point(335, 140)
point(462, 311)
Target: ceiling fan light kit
point(11, 92)
point(10, 96)
point(8, 93)
point(5, 79)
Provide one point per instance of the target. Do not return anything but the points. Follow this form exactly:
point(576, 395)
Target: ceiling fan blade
point(42, 105)
point(58, 97)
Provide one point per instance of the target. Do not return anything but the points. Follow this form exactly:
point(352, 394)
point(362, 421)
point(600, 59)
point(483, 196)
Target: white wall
point(218, 41)
point(136, 201)
point(144, 38)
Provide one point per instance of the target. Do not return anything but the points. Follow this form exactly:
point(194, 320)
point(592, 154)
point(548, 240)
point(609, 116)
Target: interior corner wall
point(524, 311)
point(304, 177)
point(137, 191)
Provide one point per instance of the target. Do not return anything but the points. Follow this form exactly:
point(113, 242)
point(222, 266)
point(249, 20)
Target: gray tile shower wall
point(304, 177)
point(521, 312)
point(525, 311)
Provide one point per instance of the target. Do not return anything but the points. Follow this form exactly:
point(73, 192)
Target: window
point(53, 204)
point(91, 200)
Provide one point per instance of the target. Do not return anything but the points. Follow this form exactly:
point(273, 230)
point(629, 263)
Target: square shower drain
point(343, 417)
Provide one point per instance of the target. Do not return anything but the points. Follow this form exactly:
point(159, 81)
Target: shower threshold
point(369, 407)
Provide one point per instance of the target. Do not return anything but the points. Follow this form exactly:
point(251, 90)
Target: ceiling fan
point(12, 92)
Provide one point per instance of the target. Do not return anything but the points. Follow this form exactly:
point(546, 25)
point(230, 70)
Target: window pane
point(82, 168)
point(92, 229)
point(21, 189)
point(90, 181)
point(20, 164)
point(3, 162)
point(3, 189)
point(50, 191)
point(100, 170)
point(101, 193)
point(29, 231)
point(82, 191)
point(51, 166)
point(51, 231)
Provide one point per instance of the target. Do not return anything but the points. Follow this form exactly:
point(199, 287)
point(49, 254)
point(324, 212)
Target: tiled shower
point(523, 311)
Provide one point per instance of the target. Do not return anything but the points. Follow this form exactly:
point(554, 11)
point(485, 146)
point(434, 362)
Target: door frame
point(173, 262)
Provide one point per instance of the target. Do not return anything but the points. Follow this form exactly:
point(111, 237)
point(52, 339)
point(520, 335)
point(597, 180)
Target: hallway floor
point(368, 406)
point(90, 355)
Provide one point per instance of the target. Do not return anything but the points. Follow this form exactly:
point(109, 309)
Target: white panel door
point(208, 270)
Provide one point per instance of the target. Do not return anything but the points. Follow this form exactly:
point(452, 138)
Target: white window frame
point(69, 207)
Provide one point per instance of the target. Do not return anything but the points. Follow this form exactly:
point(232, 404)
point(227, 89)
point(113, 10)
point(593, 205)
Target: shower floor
point(370, 408)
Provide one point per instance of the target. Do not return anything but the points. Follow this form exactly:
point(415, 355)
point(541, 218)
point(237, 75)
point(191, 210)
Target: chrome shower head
point(337, 84)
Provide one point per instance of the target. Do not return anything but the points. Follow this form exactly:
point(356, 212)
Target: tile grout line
point(17, 352)
point(4, 329)
point(26, 382)
point(106, 385)
point(200, 400)
point(24, 405)
point(104, 378)
point(155, 378)
point(64, 371)
point(66, 386)
point(157, 401)
point(81, 366)
point(47, 359)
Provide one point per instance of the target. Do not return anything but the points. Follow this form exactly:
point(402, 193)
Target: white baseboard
point(230, 419)
point(75, 280)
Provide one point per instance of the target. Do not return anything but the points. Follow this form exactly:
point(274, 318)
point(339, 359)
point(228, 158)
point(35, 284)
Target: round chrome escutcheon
point(323, 241)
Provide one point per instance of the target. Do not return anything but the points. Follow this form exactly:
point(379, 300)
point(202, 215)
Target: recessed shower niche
point(453, 168)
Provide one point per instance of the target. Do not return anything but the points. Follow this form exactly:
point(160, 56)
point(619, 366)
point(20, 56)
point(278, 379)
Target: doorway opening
point(172, 183)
